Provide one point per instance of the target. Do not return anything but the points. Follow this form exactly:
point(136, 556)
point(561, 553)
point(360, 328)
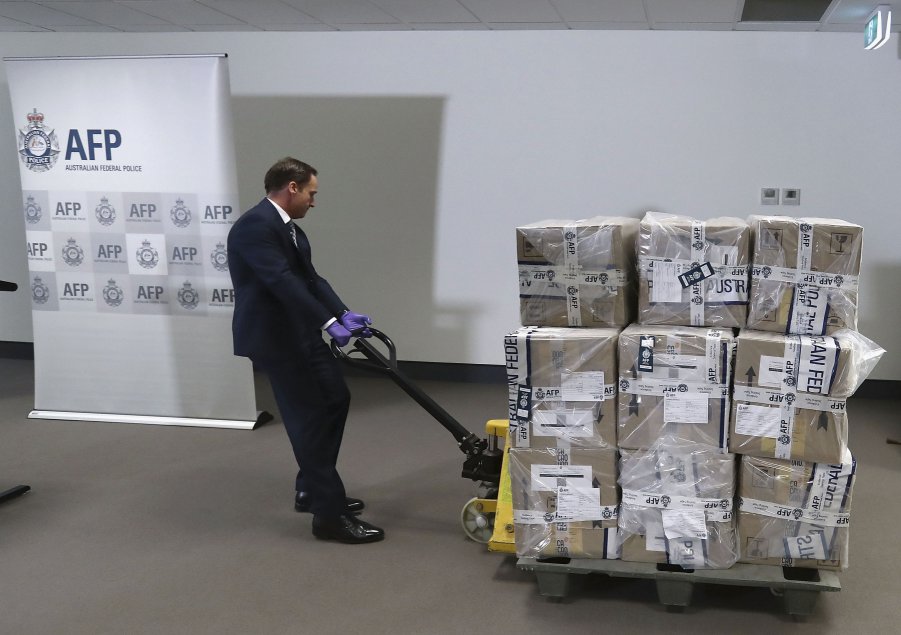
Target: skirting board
point(150, 420)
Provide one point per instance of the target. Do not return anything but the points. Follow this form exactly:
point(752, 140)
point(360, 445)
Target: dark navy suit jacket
point(281, 302)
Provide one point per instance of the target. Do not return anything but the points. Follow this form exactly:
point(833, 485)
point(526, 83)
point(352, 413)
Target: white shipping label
point(531, 517)
point(655, 539)
point(686, 552)
point(772, 371)
point(563, 424)
point(540, 280)
point(757, 421)
point(723, 255)
point(689, 368)
point(548, 478)
point(830, 486)
point(665, 286)
point(582, 386)
point(578, 503)
point(809, 308)
point(714, 349)
point(685, 408)
point(819, 356)
point(810, 546)
point(684, 523)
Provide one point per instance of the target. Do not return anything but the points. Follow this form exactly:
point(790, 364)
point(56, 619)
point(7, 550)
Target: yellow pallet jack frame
point(490, 520)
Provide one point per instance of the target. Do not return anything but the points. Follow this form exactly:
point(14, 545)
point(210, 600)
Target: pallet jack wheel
point(478, 525)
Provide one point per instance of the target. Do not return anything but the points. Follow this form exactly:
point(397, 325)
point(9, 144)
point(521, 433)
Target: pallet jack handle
point(480, 461)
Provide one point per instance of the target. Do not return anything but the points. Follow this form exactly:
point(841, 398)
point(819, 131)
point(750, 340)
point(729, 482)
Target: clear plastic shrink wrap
point(691, 272)
point(805, 274)
point(676, 505)
point(795, 514)
point(562, 386)
point(564, 502)
point(674, 380)
point(577, 273)
point(790, 392)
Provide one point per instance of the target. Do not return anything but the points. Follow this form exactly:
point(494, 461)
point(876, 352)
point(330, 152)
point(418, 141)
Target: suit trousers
point(313, 400)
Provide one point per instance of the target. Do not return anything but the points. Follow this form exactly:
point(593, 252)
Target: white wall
point(433, 146)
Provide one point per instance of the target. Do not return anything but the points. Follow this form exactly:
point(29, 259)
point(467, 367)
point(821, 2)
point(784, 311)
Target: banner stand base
point(151, 419)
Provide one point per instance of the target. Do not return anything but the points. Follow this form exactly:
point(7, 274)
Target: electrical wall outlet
point(791, 196)
point(769, 196)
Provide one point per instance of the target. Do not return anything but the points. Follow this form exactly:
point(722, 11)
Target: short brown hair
point(286, 170)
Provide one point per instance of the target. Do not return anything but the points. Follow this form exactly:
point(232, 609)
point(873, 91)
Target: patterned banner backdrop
point(129, 190)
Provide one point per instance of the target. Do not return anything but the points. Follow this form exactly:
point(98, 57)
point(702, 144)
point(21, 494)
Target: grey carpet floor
point(153, 529)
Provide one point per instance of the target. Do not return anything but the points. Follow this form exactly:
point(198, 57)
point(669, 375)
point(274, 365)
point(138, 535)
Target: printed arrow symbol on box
point(751, 375)
point(823, 421)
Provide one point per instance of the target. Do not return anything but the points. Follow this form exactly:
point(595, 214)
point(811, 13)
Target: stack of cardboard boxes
point(627, 443)
point(676, 473)
point(797, 362)
point(577, 290)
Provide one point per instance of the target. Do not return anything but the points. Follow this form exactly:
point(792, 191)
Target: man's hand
point(340, 334)
point(356, 323)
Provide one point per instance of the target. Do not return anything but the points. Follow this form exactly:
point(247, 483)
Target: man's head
point(293, 185)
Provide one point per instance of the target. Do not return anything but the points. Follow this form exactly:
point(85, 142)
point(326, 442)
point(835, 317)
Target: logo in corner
point(38, 145)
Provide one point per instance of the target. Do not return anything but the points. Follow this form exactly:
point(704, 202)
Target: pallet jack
point(487, 518)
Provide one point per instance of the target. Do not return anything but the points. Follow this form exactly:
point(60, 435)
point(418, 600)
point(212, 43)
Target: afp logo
point(188, 297)
point(38, 145)
point(180, 214)
point(33, 211)
point(106, 213)
point(219, 257)
point(72, 253)
point(113, 294)
point(148, 257)
point(40, 292)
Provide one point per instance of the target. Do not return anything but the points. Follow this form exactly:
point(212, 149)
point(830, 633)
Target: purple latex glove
point(356, 323)
point(340, 334)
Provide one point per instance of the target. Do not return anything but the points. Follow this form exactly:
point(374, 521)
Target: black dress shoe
point(351, 505)
point(347, 529)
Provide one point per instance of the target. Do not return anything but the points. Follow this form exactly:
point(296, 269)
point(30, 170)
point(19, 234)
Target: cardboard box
point(577, 273)
point(805, 274)
point(794, 513)
point(674, 381)
point(677, 505)
point(790, 391)
point(564, 502)
point(562, 386)
point(674, 251)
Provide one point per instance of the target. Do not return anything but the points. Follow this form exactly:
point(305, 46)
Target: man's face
point(302, 199)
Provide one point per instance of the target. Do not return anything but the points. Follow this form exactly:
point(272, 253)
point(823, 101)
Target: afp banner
point(128, 193)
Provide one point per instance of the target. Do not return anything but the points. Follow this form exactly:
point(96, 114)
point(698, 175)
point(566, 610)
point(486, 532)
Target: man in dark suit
point(281, 308)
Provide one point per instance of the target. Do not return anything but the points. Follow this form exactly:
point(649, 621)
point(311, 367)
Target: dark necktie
point(293, 230)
